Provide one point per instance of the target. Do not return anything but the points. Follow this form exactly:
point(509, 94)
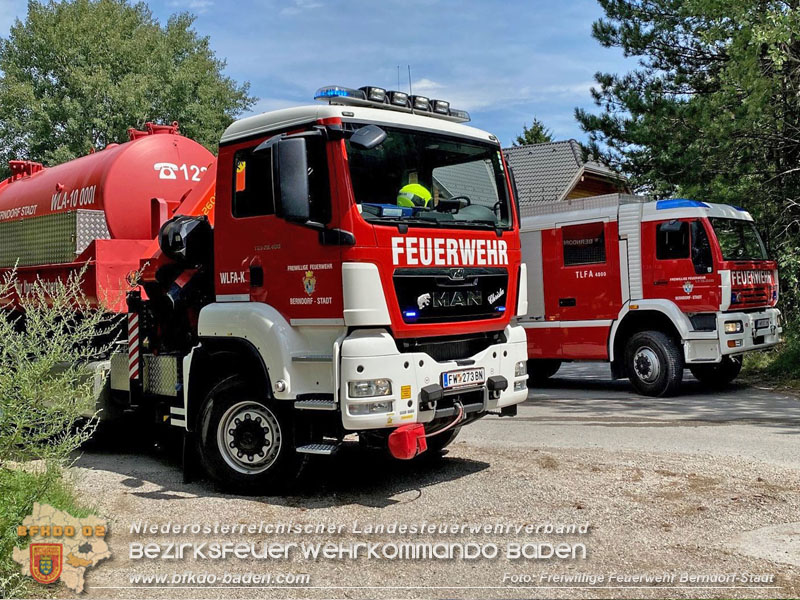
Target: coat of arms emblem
point(309, 282)
point(46, 562)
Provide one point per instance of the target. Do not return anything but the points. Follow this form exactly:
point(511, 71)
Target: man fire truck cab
point(317, 306)
point(650, 286)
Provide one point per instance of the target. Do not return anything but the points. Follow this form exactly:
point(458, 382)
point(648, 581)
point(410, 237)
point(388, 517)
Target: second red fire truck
point(651, 287)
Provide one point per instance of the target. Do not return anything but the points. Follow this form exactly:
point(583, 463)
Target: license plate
point(462, 378)
point(762, 323)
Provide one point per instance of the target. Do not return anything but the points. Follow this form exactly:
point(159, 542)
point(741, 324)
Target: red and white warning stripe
point(133, 346)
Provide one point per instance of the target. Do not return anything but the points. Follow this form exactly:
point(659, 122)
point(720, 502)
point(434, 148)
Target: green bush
point(46, 401)
point(45, 387)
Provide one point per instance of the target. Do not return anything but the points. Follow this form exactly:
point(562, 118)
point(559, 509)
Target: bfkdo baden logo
point(46, 562)
point(62, 547)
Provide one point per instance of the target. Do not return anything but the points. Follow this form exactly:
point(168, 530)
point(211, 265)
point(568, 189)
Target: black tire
point(235, 420)
point(654, 363)
point(542, 369)
point(720, 374)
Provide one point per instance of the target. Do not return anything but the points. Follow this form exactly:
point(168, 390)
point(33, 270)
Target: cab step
point(321, 449)
point(315, 404)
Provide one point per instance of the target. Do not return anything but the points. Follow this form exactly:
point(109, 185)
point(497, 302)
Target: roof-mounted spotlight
point(398, 99)
point(420, 103)
point(374, 94)
point(441, 107)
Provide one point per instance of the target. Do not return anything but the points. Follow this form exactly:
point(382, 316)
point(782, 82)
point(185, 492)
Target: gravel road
point(706, 486)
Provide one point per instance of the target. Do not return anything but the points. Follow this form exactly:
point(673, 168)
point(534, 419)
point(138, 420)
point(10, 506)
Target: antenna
point(409, 81)
point(398, 77)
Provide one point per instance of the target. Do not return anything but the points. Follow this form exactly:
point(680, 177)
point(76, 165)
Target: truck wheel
point(654, 363)
point(246, 442)
point(541, 369)
point(719, 374)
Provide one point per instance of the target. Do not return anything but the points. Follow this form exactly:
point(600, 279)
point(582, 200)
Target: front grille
point(758, 296)
point(452, 294)
point(443, 349)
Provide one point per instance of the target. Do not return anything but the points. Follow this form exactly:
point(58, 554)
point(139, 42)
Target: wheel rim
point(646, 364)
point(249, 437)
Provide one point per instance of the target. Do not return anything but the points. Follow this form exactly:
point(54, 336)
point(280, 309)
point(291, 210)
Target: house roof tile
point(544, 172)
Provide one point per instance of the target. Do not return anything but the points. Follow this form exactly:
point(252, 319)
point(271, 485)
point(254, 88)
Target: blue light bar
point(335, 91)
point(501, 309)
point(410, 314)
point(680, 203)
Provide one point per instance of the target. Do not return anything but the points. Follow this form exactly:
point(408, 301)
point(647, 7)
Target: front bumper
point(712, 346)
point(373, 353)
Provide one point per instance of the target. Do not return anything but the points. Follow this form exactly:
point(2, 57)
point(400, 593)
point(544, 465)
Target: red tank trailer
point(102, 210)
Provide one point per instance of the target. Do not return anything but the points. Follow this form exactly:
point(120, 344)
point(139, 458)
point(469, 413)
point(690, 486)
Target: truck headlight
point(371, 408)
point(370, 387)
point(734, 327)
point(521, 368)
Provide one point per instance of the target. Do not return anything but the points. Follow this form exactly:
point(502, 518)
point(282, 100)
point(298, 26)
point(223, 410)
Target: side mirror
point(290, 177)
point(368, 137)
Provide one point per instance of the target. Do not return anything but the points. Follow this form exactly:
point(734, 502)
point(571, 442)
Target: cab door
point(682, 265)
point(263, 257)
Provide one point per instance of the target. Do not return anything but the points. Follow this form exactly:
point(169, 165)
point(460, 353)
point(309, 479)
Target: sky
point(504, 61)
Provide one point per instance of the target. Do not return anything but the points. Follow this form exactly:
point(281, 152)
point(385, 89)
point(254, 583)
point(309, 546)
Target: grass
point(19, 489)
point(780, 366)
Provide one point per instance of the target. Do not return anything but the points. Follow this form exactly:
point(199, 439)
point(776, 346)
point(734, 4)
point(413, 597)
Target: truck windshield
point(738, 239)
point(430, 179)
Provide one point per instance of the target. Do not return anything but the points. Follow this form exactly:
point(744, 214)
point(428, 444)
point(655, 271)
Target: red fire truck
point(317, 305)
point(649, 286)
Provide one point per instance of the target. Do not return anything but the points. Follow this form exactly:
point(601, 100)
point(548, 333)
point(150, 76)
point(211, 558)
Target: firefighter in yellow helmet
point(414, 194)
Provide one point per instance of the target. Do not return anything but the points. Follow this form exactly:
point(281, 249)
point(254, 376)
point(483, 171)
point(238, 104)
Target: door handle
point(256, 276)
point(660, 282)
point(566, 302)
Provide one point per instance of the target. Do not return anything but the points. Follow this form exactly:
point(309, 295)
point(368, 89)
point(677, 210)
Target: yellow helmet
point(413, 194)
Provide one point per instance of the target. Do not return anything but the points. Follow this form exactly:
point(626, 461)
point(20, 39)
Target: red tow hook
point(408, 441)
